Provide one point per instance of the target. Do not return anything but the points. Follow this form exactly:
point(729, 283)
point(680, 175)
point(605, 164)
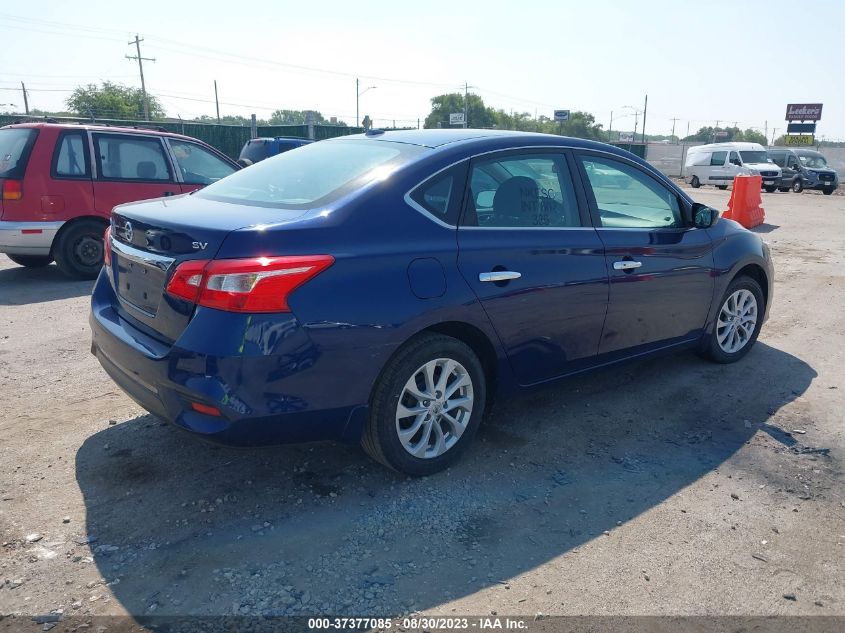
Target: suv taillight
point(12, 189)
point(259, 284)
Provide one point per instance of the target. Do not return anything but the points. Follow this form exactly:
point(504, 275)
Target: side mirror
point(703, 217)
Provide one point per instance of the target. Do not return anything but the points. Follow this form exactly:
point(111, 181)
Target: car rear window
point(15, 147)
point(256, 150)
point(314, 174)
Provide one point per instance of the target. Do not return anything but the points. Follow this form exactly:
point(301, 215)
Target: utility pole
point(673, 126)
point(216, 102)
point(645, 112)
point(466, 104)
point(137, 42)
point(357, 97)
point(774, 133)
point(25, 100)
point(766, 130)
point(610, 129)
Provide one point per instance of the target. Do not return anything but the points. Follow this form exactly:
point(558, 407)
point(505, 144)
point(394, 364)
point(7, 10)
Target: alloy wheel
point(434, 408)
point(737, 320)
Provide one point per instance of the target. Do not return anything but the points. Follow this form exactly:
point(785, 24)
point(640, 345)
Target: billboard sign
point(803, 139)
point(804, 112)
point(456, 118)
point(801, 128)
point(626, 137)
point(561, 115)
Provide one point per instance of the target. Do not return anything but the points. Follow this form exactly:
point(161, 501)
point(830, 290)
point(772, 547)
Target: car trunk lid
point(150, 239)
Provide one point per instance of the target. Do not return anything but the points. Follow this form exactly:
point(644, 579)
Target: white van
point(718, 163)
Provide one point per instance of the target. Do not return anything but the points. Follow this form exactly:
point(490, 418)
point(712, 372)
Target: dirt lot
point(671, 486)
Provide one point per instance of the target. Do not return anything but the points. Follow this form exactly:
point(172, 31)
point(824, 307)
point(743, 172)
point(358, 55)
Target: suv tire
point(797, 185)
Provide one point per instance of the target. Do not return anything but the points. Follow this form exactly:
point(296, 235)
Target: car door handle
point(626, 264)
point(499, 275)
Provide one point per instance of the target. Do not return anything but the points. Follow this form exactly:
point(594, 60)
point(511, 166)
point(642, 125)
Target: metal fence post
point(253, 127)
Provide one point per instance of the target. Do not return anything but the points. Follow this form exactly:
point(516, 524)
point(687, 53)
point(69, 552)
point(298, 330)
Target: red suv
point(60, 182)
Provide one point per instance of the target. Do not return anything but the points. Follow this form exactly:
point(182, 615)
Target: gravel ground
point(666, 487)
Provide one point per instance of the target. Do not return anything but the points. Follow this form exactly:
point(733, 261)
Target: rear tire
point(722, 187)
point(770, 189)
point(738, 322)
point(31, 261)
point(426, 406)
point(79, 251)
point(827, 191)
point(783, 189)
point(694, 182)
point(797, 185)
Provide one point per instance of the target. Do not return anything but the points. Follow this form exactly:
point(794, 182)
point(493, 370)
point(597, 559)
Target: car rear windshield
point(313, 175)
point(754, 157)
point(256, 150)
point(15, 146)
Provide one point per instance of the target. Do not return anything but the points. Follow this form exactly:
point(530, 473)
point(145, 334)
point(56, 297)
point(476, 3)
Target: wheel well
point(757, 274)
point(478, 342)
point(96, 218)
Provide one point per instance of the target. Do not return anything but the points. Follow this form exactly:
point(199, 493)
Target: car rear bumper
point(270, 394)
point(28, 238)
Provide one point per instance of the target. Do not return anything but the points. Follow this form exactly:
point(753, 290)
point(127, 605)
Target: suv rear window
point(314, 174)
point(15, 147)
point(256, 150)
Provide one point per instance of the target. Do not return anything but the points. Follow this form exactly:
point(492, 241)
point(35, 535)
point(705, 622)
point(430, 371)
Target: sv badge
point(200, 246)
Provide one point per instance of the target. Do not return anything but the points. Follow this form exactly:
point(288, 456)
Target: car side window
point(440, 195)
point(522, 191)
point(777, 158)
point(718, 159)
point(792, 163)
point(198, 165)
point(734, 159)
point(131, 158)
point(71, 156)
point(629, 198)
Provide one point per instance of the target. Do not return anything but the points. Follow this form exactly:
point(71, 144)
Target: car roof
point(479, 139)
point(282, 138)
point(735, 145)
point(102, 128)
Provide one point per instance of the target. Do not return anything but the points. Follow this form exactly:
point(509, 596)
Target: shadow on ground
point(189, 528)
point(22, 286)
point(765, 228)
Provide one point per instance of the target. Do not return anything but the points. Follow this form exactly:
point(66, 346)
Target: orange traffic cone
point(746, 204)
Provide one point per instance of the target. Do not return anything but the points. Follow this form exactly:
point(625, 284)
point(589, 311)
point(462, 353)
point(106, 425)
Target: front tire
point(426, 406)
point(770, 189)
point(738, 322)
point(722, 187)
point(31, 261)
point(797, 185)
point(783, 189)
point(694, 182)
point(827, 191)
point(79, 251)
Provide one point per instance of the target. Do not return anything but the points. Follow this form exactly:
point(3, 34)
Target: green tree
point(294, 117)
point(442, 106)
point(112, 101)
point(752, 136)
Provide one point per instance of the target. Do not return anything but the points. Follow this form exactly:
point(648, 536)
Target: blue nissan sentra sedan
point(381, 288)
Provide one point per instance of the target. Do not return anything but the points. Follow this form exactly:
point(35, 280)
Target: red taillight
point(260, 284)
point(107, 247)
point(12, 190)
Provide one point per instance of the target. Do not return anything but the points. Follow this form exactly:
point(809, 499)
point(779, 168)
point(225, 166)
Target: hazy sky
point(699, 61)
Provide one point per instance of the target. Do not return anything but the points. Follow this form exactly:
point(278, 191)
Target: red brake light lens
point(107, 247)
point(260, 284)
point(12, 190)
